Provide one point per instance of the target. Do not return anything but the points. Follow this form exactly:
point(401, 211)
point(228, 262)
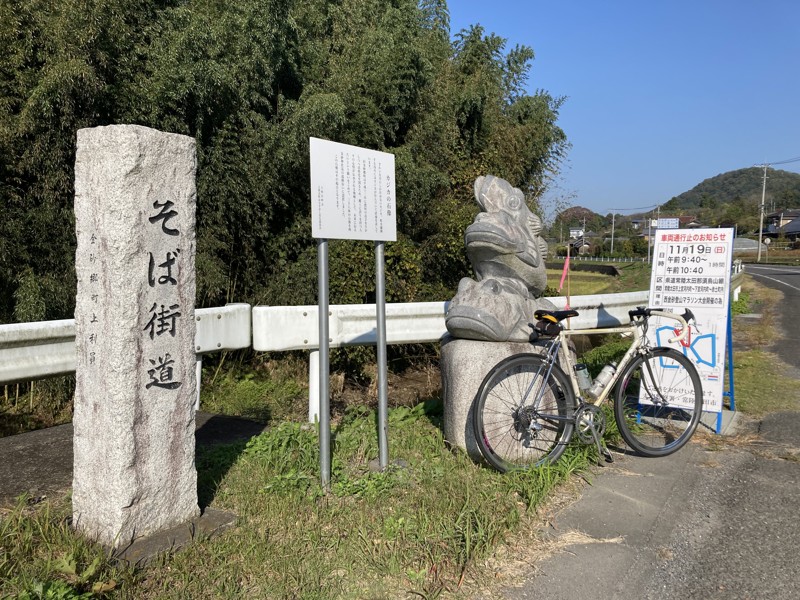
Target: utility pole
point(761, 212)
point(612, 232)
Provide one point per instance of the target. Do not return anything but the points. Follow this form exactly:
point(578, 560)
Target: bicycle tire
point(658, 428)
point(510, 432)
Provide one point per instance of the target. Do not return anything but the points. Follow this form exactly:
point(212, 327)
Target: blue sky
point(660, 95)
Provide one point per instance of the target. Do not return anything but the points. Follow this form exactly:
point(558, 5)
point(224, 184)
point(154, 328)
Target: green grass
point(763, 383)
point(633, 277)
point(255, 394)
point(581, 283)
point(36, 404)
point(424, 529)
point(415, 530)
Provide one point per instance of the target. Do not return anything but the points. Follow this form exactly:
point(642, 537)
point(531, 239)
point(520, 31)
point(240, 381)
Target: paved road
point(39, 463)
point(711, 524)
point(698, 524)
point(787, 280)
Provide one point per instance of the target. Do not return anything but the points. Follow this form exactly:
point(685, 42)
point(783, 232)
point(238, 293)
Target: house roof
point(787, 213)
point(792, 227)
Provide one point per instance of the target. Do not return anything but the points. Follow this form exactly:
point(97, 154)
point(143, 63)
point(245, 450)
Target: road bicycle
point(529, 406)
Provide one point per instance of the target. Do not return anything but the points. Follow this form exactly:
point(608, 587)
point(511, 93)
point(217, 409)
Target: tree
point(251, 81)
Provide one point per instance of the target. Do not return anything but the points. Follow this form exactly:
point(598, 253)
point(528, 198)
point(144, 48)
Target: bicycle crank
point(590, 425)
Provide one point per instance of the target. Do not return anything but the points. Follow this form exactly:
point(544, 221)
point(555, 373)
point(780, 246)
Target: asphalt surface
point(786, 280)
point(698, 524)
point(39, 463)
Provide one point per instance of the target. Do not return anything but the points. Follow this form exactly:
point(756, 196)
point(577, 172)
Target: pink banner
point(564, 274)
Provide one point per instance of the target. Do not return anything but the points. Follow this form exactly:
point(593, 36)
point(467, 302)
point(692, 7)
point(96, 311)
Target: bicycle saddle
point(554, 316)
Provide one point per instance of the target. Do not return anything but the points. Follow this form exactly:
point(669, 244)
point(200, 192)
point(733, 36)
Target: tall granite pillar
point(134, 401)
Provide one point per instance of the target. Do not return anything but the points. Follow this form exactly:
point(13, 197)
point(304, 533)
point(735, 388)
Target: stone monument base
point(141, 551)
point(464, 364)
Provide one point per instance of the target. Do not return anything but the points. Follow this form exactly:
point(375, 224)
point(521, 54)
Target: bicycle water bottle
point(582, 375)
point(602, 379)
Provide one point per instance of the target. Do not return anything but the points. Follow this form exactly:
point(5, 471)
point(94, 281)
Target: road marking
point(779, 269)
point(776, 280)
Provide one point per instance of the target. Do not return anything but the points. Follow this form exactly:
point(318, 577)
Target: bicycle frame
point(567, 363)
point(558, 346)
point(515, 390)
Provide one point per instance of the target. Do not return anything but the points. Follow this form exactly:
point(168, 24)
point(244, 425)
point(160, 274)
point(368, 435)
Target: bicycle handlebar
point(641, 311)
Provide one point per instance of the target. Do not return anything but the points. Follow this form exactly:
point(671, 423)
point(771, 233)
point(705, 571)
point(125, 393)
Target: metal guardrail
point(278, 328)
point(35, 350)
point(31, 351)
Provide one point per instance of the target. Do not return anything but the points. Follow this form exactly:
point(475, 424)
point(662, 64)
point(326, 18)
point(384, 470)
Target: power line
point(779, 162)
point(789, 160)
point(635, 208)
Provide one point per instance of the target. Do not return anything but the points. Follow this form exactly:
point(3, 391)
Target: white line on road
point(779, 269)
point(776, 280)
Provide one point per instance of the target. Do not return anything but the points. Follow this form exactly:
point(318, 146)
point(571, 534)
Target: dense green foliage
point(734, 198)
point(251, 81)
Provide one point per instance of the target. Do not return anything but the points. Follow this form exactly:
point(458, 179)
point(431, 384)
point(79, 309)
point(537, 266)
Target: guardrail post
point(198, 368)
point(313, 386)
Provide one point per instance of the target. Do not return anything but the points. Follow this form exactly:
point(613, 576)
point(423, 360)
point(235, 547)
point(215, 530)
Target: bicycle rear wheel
point(659, 401)
point(520, 419)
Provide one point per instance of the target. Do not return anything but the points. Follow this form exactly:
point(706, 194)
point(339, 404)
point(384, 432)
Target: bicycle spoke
point(514, 417)
point(650, 407)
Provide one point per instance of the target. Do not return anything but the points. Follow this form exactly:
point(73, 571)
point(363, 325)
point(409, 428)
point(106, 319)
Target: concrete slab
point(210, 523)
point(728, 424)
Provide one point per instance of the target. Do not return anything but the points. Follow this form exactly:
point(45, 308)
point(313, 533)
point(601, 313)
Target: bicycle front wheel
point(659, 401)
point(521, 417)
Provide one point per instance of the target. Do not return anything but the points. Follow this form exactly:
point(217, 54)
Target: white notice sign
point(352, 193)
point(692, 269)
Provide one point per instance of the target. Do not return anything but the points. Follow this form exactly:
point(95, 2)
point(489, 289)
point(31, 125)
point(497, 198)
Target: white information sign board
point(668, 223)
point(352, 193)
point(692, 269)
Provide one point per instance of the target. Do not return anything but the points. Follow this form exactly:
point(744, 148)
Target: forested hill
point(783, 190)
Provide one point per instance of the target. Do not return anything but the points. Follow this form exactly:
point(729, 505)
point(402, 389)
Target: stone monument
point(489, 317)
point(134, 445)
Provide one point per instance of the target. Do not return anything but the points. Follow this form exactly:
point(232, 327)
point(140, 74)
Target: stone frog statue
point(504, 241)
point(507, 255)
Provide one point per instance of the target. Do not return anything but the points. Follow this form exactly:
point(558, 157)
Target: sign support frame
point(324, 366)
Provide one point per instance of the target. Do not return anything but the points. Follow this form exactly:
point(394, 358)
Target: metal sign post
point(352, 197)
point(380, 317)
point(324, 367)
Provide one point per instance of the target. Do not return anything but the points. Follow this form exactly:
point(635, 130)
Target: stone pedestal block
point(464, 364)
point(134, 446)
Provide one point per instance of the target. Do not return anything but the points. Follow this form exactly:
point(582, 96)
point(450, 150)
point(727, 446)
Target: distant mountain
point(783, 190)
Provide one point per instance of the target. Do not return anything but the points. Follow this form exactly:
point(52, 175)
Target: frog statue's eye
point(513, 202)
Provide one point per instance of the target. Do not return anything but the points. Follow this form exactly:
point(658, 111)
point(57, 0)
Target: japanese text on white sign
point(692, 269)
point(352, 193)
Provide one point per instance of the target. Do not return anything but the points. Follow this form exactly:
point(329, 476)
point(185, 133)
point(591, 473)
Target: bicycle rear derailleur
point(590, 425)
